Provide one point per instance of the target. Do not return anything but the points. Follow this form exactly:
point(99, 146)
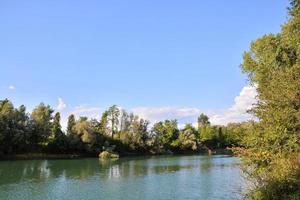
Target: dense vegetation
point(272, 153)
point(40, 131)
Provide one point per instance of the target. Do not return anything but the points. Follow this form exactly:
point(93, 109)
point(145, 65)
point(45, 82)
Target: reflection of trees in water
point(43, 170)
point(134, 168)
point(16, 171)
point(40, 171)
point(74, 169)
point(206, 164)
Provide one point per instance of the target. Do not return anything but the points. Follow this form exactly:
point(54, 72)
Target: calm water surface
point(153, 178)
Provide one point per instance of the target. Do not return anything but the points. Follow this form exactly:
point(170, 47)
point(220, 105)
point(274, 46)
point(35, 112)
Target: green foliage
point(56, 127)
point(203, 120)
point(13, 130)
point(103, 126)
point(40, 131)
point(217, 137)
point(273, 65)
point(83, 130)
point(235, 133)
point(41, 118)
point(187, 140)
point(71, 124)
point(165, 133)
point(113, 117)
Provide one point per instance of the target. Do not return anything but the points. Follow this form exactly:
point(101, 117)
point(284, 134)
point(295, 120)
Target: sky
point(159, 59)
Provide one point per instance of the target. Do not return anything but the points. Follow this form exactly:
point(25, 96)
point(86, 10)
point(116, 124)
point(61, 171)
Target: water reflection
point(127, 168)
point(17, 171)
point(43, 170)
point(169, 177)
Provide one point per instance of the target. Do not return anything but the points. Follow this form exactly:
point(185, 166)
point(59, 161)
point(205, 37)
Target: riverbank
point(49, 156)
point(44, 156)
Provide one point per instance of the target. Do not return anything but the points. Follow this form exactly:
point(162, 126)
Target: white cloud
point(80, 111)
point(154, 114)
point(236, 113)
point(11, 87)
point(87, 111)
point(61, 104)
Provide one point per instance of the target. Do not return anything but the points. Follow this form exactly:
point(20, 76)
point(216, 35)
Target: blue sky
point(147, 56)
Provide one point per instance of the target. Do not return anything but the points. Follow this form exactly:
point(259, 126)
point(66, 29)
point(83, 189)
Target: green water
point(153, 178)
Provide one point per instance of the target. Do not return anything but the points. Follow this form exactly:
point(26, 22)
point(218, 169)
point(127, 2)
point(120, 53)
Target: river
point(139, 178)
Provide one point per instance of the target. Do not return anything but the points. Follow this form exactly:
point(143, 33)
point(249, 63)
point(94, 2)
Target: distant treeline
point(40, 131)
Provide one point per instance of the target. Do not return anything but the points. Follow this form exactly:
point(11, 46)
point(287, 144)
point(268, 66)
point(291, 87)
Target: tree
point(235, 133)
point(137, 133)
point(273, 66)
point(143, 131)
point(204, 130)
point(95, 125)
point(41, 118)
point(6, 118)
point(165, 133)
point(113, 117)
point(124, 121)
point(85, 132)
point(56, 127)
point(103, 126)
point(125, 128)
point(188, 138)
point(203, 120)
point(13, 130)
point(58, 141)
point(71, 124)
point(21, 137)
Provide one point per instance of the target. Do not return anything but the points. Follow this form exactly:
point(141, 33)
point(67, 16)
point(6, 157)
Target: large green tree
point(71, 124)
point(113, 114)
point(203, 120)
point(41, 118)
point(13, 127)
point(83, 129)
point(103, 126)
point(273, 66)
point(166, 133)
point(188, 138)
point(58, 140)
point(56, 127)
point(205, 131)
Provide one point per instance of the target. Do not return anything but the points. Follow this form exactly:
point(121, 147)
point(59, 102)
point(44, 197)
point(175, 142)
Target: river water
point(139, 178)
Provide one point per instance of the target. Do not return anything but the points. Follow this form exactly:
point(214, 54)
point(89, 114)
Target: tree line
point(41, 131)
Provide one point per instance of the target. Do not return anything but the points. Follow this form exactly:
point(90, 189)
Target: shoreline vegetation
point(272, 155)
point(50, 156)
point(39, 135)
